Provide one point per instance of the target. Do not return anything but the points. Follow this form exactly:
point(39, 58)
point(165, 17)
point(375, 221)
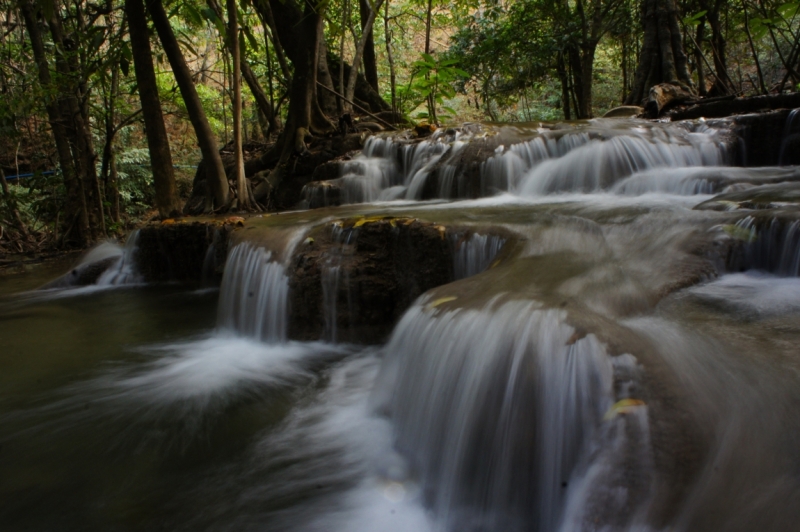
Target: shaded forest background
point(107, 107)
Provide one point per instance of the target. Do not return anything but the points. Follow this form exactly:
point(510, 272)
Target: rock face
point(84, 274)
point(352, 279)
point(192, 253)
point(762, 137)
point(624, 111)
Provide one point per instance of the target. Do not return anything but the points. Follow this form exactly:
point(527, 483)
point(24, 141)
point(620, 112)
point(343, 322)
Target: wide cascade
point(600, 337)
point(507, 419)
point(527, 162)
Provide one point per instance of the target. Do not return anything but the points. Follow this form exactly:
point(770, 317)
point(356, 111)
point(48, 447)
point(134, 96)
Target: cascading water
point(506, 417)
point(474, 253)
point(581, 159)
point(253, 296)
point(773, 246)
point(124, 271)
point(332, 277)
point(600, 369)
point(598, 165)
point(791, 136)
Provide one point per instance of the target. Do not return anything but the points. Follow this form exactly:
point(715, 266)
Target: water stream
point(610, 355)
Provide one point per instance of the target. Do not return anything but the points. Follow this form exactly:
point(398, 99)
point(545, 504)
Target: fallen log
point(722, 108)
point(664, 96)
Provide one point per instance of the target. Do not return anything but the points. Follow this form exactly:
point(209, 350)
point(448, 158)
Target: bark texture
point(217, 181)
point(662, 58)
point(157, 140)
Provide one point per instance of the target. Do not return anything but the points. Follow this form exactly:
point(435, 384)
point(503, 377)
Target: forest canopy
point(108, 106)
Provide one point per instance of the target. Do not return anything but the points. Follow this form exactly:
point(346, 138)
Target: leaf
point(622, 407)
point(242, 44)
point(694, 20)
point(193, 15)
point(250, 37)
point(739, 233)
point(125, 51)
point(436, 302)
point(124, 65)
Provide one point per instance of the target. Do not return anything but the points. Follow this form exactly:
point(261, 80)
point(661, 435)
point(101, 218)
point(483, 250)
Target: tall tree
point(76, 222)
point(297, 24)
point(73, 96)
point(370, 62)
point(157, 141)
point(243, 194)
point(215, 171)
point(360, 49)
point(662, 58)
point(262, 101)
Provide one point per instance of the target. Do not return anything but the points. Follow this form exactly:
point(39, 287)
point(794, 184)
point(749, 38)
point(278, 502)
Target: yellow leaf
point(739, 233)
point(435, 303)
point(624, 406)
point(168, 221)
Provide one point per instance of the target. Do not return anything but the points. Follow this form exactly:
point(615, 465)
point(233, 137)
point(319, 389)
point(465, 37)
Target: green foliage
point(435, 78)
point(135, 181)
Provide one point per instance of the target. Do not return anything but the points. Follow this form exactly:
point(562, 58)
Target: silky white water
point(607, 357)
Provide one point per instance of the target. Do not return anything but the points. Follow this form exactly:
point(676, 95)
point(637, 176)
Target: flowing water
point(608, 357)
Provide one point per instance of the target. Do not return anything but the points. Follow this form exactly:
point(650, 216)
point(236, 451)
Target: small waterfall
point(331, 279)
point(254, 295)
point(773, 247)
point(474, 253)
point(791, 139)
point(507, 418)
point(503, 172)
point(124, 270)
point(598, 165)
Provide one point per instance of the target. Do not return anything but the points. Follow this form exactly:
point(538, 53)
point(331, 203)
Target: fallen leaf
point(623, 406)
point(436, 302)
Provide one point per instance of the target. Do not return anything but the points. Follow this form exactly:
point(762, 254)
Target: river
point(616, 349)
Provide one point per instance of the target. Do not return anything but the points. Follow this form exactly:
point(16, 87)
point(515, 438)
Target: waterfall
point(330, 278)
point(773, 246)
point(599, 164)
point(254, 295)
point(791, 132)
point(474, 253)
point(503, 172)
point(124, 270)
point(506, 417)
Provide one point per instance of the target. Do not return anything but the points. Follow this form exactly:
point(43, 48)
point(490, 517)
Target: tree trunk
point(78, 133)
point(722, 83)
point(75, 219)
point(662, 59)
point(157, 140)
point(262, 101)
point(370, 64)
point(351, 82)
point(392, 76)
point(215, 171)
point(431, 102)
point(327, 101)
point(110, 186)
point(301, 29)
point(243, 196)
point(699, 59)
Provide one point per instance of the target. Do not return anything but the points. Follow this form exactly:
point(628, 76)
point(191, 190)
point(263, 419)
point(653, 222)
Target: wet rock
point(84, 274)
point(192, 253)
point(624, 111)
point(382, 266)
